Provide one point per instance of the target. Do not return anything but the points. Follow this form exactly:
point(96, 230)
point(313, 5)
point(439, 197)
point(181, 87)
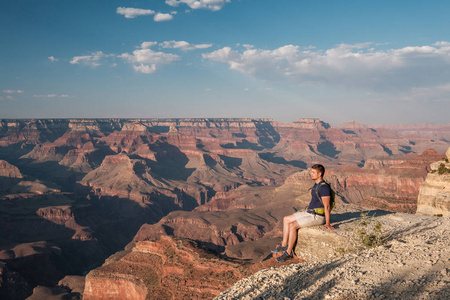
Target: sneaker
point(284, 257)
point(279, 249)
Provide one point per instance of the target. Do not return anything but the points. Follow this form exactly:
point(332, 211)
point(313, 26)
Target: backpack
point(332, 198)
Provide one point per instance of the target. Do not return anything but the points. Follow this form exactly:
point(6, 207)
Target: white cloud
point(146, 45)
point(146, 69)
point(358, 66)
point(51, 58)
point(146, 60)
point(90, 60)
point(13, 91)
point(213, 5)
point(49, 96)
point(183, 45)
point(131, 13)
point(160, 17)
point(150, 56)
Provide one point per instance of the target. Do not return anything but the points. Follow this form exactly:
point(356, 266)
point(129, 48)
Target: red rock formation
point(389, 184)
point(169, 268)
point(228, 170)
point(8, 170)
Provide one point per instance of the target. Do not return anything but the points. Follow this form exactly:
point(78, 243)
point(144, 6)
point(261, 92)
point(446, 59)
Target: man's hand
point(329, 227)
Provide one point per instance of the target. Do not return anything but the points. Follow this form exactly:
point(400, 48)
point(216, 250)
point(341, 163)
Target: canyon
point(84, 201)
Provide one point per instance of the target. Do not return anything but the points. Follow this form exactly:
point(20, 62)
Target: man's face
point(314, 174)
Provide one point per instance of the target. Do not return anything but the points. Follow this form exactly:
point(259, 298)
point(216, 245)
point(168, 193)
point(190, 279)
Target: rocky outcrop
point(434, 194)
point(215, 230)
point(10, 176)
point(164, 269)
point(412, 264)
point(317, 243)
point(8, 170)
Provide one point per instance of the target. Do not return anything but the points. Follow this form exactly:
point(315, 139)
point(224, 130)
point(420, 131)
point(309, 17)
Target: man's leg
point(287, 220)
point(291, 225)
point(293, 229)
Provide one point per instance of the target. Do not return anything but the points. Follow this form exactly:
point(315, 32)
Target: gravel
point(414, 263)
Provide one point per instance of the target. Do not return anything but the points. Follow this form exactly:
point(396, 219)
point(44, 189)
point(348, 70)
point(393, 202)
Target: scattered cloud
point(146, 69)
point(52, 59)
point(146, 45)
point(13, 91)
point(10, 94)
point(160, 17)
point(92, 60)
point(213, 5)
point(50, 96)
point(145, 60)
point(357, 65)
point(184, 45)
point(131, 13)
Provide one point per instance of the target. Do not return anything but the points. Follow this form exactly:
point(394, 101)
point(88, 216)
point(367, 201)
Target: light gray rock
point(317, 243)
point(371, 274)
point(434, 193)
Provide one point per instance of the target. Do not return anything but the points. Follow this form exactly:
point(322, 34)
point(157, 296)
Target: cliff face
point(8, 170)
point(389, 184)
point(166, 268)
point(434, 194)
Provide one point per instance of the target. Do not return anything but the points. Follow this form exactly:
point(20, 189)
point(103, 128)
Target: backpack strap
point(320, 210)
point(317, 190)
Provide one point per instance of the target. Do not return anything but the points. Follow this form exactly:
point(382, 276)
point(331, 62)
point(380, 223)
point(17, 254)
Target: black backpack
point(332, 198)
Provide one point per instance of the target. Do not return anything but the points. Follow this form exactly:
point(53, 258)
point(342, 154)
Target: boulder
point(317, 243)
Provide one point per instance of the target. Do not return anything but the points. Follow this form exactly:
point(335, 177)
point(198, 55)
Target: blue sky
point(369, 61)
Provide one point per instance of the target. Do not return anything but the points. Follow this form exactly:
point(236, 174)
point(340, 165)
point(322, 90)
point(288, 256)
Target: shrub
point(367, 233)
point(443, 169)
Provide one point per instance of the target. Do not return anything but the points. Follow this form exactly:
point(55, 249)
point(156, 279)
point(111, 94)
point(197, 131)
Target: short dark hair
point(319, 168)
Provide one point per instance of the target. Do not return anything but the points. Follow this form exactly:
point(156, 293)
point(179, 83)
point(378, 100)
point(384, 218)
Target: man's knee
point(289, 218)
point(294, 225)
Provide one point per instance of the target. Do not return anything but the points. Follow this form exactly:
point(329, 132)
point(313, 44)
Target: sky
point(373, 62)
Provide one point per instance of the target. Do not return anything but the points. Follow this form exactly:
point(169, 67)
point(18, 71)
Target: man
point(318, 213)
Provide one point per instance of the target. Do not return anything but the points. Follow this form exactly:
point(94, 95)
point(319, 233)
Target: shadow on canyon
point(270, 157)
point(94, 229)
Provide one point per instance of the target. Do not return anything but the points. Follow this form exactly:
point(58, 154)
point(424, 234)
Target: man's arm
point(326, 205)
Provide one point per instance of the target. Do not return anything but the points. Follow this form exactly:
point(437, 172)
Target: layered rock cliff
point(167, 268)
point(87, 186)
point(434, 194)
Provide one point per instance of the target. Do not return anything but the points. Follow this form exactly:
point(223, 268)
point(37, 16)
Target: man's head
point(317, 171)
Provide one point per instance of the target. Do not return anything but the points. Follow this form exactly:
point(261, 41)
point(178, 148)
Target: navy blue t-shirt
point(324, 191)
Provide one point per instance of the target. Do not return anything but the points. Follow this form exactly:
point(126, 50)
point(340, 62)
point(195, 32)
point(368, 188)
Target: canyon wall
point(434, 195)
point(79, 190)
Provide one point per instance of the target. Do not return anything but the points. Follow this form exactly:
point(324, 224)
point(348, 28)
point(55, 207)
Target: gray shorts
point(305, 219)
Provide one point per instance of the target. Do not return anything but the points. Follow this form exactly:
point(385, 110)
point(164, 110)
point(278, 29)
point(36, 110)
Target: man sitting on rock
point(318, 213)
